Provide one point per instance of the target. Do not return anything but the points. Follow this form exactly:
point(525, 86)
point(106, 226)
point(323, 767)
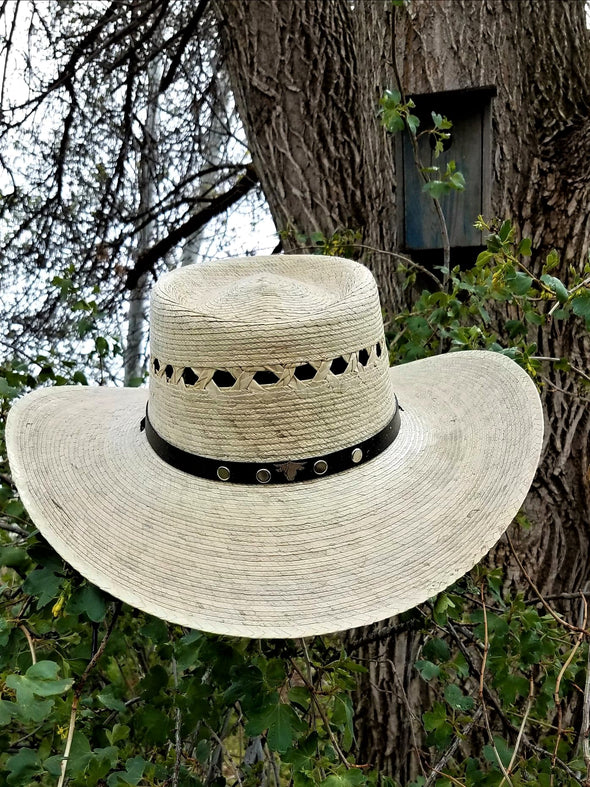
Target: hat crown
point(268, 358)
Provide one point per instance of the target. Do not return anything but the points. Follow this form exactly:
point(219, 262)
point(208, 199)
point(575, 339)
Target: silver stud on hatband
point(223, 473)
point(320, 467)
point(356, 455)
point(263, 475)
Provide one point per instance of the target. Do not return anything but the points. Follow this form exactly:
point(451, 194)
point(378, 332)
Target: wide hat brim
point(295, 559)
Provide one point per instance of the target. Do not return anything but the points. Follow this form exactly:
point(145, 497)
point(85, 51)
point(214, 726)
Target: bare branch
point(146, 261)
point(189, 30)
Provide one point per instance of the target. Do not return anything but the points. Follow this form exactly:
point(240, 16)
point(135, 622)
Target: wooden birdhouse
point(470, 147)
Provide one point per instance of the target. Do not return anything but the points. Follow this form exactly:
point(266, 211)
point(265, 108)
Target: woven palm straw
point(301, 337)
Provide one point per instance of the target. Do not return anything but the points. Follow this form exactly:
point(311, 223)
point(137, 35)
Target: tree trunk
point(146, 185)
point(213, 152)
point(307, 87)
point(307, 77)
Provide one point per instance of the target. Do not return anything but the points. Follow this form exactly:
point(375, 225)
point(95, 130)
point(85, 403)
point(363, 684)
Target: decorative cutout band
point(282, 472)
point(272, 377)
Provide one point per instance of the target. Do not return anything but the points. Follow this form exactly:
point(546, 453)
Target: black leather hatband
point(281, 472)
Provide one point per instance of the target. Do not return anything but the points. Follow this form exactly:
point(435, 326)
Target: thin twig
point(450, 752)
point(310, 678)
point(557, 388)
point(559, 360)
point(557, 304)
point(481, 692)
point(177, 737)
point(27, 634)
point(586, 720)
point(412, 716)
point(322, 713)
point(78, 686)
point(528, 578)
point(521, 729)
point(564, 766)
point(223, 750)
point(486, 644)
point(403, 258)
point(413, 624)
point(10, 527)
point(579, 640)
point(449, 777)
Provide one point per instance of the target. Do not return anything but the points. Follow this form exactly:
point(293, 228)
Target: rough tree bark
point(307, 77)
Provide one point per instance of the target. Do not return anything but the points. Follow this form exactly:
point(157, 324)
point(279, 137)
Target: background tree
point(105, 129)
point(325, 164)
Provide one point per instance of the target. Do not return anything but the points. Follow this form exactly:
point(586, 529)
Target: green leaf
point(557, 286)
point(302, 779)
point(134, 768)
point(427, 669)
point(435, 718)
point(120, 732)
point(303, 756)
point(581, 304)
point(457, 181)
point(504, 230)
point(413, 123)
point(102, 346)
point(436, 649)
point(456, 699)
point(391, 98)
point(281, 721)
point(484, 257)
point(440, 121)
point(43, 584)
point(443, 603)
point(346, 778)
point(7, 711)
point(108, 699)
point(22, 767)
point(503, 750)
point(533, 317)
point(40, 680)
point(13, 557)
point(247, 686)
point(520, 284)
point(524, 247)
point(300, 696)
point(437, 188)
point(552, 260)
point(153, 725)
point(89, 600)
point(79, 758)
point(7, 390)
point(343, 718)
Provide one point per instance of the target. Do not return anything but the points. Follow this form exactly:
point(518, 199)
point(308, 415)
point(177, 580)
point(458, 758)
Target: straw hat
point(275, 488)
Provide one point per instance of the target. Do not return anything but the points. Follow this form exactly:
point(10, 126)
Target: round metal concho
point(320, 467)
point(263, 475)
point(223, 473)
point(356, 455)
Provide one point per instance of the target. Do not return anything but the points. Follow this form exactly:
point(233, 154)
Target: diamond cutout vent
point(156, 365)
point(266, 377)
point(169, 371)
point(223, 379)
point(189, 377)
point(338, 365)
point(305, 372)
